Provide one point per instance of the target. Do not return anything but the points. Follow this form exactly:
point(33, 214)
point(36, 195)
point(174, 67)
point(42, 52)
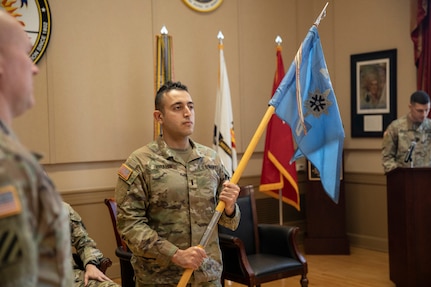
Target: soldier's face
point(16, 67)
point(419, 112)
point(178, 115)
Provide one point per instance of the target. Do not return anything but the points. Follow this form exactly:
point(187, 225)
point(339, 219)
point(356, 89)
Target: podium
point(409, 226)
point(326, 220)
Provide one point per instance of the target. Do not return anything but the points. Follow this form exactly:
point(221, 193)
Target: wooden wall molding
point(89, 196)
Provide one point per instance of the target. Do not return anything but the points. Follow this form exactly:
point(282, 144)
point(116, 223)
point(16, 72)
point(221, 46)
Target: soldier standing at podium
point(407, 140)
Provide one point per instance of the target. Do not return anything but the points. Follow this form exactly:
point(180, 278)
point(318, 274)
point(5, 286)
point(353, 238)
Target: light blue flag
point(305, 100)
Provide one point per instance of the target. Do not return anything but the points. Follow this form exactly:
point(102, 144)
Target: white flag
point(224, 136)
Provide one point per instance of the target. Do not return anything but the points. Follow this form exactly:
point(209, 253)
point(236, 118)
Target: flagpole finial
point(278, 40)
point(164, 31)
point(220, 37)
point(321, 15)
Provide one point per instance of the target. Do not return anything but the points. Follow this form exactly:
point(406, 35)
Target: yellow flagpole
point(156, 128)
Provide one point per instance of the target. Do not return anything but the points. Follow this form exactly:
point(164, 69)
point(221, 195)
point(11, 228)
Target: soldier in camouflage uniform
point(411, 130)
point(35, 238)
point(166, 195)
point(90, 256)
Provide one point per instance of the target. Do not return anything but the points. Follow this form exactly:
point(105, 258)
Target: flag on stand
point(224, 136)
point(277, 171)
point(305, 100)
point(163, 70)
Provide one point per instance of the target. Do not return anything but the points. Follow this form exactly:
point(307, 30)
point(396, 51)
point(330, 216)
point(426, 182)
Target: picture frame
point(314, 175)
point(373, 92)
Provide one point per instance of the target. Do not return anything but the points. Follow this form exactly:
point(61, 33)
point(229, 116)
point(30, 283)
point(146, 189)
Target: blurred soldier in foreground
point(34, 229)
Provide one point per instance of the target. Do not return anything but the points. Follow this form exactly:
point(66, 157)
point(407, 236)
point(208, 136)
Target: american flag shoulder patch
point(10, 203)
point(124, 172)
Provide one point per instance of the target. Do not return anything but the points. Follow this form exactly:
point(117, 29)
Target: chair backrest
point(247, 229)
point(122, 252)
point(112, 207)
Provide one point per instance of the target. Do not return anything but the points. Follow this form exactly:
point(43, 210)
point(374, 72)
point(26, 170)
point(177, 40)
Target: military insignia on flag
point(318, 103)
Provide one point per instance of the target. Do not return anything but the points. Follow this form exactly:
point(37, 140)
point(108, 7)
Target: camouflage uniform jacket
point(165, 204)
point(35, 248)
point(397, 139)
point(84, 245)
point(86, 249)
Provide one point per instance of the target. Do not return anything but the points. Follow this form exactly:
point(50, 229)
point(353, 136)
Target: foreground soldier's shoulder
point(125, 171)
point(10, 203)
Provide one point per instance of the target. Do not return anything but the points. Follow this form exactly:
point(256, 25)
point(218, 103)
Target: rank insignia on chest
point(10, 203)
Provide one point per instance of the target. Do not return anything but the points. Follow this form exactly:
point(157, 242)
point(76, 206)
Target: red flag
point(277, 172)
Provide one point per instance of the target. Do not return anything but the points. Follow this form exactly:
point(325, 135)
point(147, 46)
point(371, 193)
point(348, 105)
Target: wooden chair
point(259, 253)
point(122, 252)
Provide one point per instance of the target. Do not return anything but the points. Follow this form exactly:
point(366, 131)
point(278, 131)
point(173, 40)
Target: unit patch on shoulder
point(10, 203)
point(124, 172)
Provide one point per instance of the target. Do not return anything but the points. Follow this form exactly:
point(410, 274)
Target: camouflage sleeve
point(33, 223)
point(132, 222)
point(389, 148)
point(230, 222)
point(85, 246)
point(18, 268)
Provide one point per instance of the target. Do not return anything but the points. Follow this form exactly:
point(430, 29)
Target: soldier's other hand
point(94, 273)
point(191, 258)
point(229, 195)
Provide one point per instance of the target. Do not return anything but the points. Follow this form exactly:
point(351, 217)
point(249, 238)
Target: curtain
point(421, 34)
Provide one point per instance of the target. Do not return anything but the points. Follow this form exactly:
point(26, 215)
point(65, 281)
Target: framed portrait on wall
point(373, 92)
point(313, 173)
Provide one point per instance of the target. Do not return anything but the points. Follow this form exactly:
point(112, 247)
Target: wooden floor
point(362, 268)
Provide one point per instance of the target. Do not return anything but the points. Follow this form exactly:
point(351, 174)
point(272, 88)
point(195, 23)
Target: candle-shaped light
point(220, 37)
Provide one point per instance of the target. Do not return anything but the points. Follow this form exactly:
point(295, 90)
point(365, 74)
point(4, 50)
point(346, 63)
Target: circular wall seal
point(35, 16)
point(203, 5)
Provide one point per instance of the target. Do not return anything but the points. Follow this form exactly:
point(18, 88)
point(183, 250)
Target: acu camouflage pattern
point(35, 250)
point(85, 247)
point(166, 204)
point(397, 139)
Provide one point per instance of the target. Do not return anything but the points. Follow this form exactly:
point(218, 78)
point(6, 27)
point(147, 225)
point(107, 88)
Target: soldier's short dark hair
point(165, 88)
point(420, 97)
